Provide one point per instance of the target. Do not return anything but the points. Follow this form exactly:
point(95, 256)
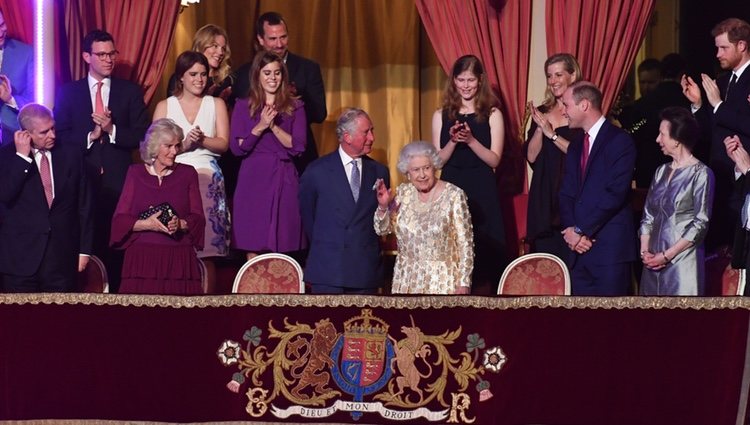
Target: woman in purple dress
point(268, 129)
point(160, 255)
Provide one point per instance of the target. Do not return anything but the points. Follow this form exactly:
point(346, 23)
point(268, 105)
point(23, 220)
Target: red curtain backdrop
point(142, 29)
point(499, 33)
point(603, 35)
point(19, 16)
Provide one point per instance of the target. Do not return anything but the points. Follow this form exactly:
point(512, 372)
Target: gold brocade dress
point(435, 241)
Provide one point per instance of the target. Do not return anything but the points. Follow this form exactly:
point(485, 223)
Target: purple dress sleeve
point(124, 218)
point(241, 129)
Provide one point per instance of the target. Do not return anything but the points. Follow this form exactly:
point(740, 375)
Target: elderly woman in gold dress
point(431, 220)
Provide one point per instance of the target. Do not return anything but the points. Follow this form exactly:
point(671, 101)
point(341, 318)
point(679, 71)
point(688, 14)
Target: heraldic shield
point(361, 357)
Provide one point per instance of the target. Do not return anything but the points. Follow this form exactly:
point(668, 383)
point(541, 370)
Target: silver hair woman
point(159, 218)
point(160, 131)
point(431, 220)
point(415, 149)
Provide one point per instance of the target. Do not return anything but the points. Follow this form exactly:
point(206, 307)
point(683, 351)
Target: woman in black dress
point(545, 148)
point(468, 132)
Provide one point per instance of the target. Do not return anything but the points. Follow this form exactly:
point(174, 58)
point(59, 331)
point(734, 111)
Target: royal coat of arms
point(318, 371)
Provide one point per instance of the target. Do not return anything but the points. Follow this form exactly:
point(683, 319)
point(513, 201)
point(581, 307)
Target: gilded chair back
point(535, 274)
point(269, 274)
point(93, 278)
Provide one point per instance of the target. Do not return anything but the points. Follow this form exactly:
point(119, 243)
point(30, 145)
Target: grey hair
point(414, 149)
point(345, 123)
point(161, 130)
point(30, 112)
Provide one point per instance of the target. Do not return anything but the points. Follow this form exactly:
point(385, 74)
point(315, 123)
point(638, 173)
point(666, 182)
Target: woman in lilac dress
point(160, 257)
point(268, 129)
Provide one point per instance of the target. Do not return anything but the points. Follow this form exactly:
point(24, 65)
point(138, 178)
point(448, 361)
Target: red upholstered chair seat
point(732, 281)
point(93, 278)
point(269, 274)
point(535, 274)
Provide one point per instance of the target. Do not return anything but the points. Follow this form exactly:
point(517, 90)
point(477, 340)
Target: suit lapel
point(599, 142)
point(60, 173)
point(85, 96)
point(340, 181)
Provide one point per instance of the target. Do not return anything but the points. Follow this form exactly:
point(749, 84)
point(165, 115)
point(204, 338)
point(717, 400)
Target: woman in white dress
point(205, 122)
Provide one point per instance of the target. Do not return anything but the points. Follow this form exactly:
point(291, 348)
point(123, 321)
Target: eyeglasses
point(109, 55)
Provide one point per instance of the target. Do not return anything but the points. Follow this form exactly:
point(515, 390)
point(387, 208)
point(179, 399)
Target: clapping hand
point(737, 153)
point(691, 90)
point(541, 121)
point(193, 139)
point(267, 115)
point(102, 122)
point(712, 90)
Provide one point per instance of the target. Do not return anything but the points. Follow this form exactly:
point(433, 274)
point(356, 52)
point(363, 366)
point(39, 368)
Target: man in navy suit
point(337, 204)
point(726, 115)
point(46, 233)
point(16, 80)
point(106, 118)
point(307, 81)
point(594, 205)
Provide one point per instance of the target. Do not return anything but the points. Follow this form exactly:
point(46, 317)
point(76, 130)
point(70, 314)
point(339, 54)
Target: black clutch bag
point(166, 215)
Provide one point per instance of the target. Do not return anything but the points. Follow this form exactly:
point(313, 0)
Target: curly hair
point(415, 149)
point(161, 130)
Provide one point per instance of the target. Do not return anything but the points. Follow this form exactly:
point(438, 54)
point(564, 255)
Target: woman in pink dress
point(160, 255)
point(268, 129)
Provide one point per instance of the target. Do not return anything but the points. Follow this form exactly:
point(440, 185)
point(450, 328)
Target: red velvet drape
point(603, 35)
point(142, 29)
point(499, 33)
point(19, 16)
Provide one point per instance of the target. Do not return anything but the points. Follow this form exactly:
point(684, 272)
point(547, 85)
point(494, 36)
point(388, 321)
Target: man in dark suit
point(594, 207)
point(642, 120)
point(307, 81)
point(107, 119)
point(46, 233)
point(727, 112)
point(16, 80)
point(337, 204)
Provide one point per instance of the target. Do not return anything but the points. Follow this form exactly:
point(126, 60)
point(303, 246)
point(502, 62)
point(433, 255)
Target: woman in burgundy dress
point(268, 129)
point(160, 254)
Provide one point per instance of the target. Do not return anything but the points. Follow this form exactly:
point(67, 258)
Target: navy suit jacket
point(73, 122)
point(598, 201)
point(29, 227)
point(18, 66)
point(344, 249)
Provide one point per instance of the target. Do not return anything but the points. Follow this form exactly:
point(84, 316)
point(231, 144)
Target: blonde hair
point(203, 39)
point(159, 131)
point(570, 64)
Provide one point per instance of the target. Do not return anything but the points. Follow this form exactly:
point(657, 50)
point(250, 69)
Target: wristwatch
point(554, 137)
point(577, 230)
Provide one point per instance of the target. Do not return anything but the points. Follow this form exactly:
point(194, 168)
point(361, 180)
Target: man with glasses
point(107, 118)
point(16, 80)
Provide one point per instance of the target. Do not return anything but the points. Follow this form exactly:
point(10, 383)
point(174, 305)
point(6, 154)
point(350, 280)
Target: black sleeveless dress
point(467, 171)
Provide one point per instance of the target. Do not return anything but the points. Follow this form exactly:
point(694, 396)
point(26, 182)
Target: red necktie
point(585, 153)
point(44, 171)
point(99, 103)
